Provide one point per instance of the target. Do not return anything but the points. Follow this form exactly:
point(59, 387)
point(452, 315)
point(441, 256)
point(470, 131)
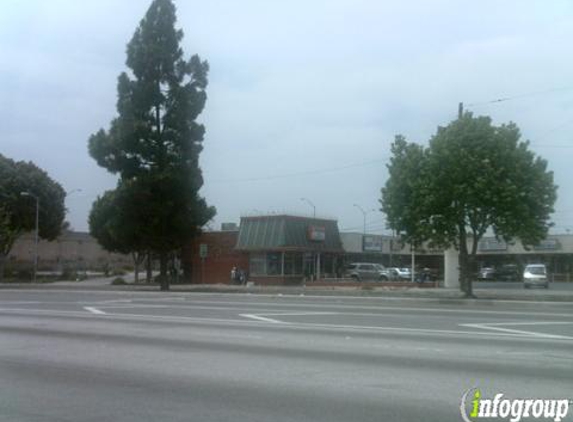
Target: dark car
point(509, 272)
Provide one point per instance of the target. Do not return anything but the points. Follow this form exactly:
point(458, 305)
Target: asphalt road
point(117, 356)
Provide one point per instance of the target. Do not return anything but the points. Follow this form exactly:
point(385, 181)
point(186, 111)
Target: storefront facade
point(286, 249)
point(556, 251)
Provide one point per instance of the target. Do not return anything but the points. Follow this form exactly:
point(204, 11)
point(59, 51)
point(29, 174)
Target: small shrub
point(118, 281)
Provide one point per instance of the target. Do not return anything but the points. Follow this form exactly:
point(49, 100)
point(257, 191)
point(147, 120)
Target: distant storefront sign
point(547, 245)
point(316, 233)
point(372, 243)
point(490, 245)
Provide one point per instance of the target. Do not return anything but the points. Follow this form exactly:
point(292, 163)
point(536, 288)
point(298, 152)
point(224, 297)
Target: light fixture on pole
point(364, 214)
point(37, 230)
point(309, 202)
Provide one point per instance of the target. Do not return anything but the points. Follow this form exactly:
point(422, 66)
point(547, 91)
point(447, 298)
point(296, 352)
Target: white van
point(535, 275)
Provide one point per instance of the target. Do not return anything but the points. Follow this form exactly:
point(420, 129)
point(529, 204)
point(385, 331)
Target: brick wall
point(221, 257)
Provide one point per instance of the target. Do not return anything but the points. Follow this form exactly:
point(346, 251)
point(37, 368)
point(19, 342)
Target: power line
point(298, 174)
point(370, 224)
point(515, 97)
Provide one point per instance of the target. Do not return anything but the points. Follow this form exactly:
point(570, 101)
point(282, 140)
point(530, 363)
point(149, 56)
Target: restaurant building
point(286, 249)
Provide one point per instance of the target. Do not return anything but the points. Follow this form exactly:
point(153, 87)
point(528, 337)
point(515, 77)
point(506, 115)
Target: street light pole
point(364, 214)
point(37, 231)
point(309, 202)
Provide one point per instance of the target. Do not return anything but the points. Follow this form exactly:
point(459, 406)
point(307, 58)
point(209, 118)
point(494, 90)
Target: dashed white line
point(497, 327)
point(261, 318)
point(94, 311)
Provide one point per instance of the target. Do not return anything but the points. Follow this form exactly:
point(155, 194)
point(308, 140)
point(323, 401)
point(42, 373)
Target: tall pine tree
point(155, 141)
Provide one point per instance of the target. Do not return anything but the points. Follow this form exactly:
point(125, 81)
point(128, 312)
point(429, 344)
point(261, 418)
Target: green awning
point(288, 233)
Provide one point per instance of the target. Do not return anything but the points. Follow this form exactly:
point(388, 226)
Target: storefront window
point(270, 263)
point(257, 264)
point(274, 263)
point(293, 264)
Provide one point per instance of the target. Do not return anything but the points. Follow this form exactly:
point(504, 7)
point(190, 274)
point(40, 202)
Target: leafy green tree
point(18, 213)
point(111, 223)
point(472, 178)
point(155, 141)
point(404, 186)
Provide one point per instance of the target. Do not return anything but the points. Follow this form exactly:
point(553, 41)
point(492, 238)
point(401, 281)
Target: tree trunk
point(163, 276)
point(149, 274)
point(135, 257)
point(470, 272)
point(465, 271)
point(466, 274)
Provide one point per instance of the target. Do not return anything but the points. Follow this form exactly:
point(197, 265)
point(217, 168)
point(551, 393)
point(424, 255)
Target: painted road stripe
point(496, 327)
point(297, 313)
point(261, 318)
point(95, 311)
point(293, 326)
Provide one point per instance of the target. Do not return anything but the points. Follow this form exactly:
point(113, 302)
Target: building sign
point(372, 243)
point(316, 233)
point(490, 245)
point(547, 245)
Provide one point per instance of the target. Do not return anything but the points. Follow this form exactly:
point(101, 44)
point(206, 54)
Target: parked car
point(486, 273)
point(510, 272)
point(361, 271)
point(535, 275)
point(395, 273)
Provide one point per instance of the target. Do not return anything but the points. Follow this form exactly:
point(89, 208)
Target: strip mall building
point(285, 249)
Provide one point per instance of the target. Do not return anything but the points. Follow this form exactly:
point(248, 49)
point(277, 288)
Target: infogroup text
point(474, 407)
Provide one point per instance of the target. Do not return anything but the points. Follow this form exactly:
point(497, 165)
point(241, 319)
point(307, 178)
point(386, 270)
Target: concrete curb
point(354, 291)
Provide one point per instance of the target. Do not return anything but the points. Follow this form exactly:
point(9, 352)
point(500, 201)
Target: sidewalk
point(440, 293)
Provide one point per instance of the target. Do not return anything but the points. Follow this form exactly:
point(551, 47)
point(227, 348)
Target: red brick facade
point(221, 257)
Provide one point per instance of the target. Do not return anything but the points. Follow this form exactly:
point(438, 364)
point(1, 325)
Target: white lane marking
point(296, 313)
point(261, 318)
point(290, 326)
point(93, 310)
point(393, 311)
point(498, 327)
point(532, 323)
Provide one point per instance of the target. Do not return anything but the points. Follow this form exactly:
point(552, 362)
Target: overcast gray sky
point(305, 97)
